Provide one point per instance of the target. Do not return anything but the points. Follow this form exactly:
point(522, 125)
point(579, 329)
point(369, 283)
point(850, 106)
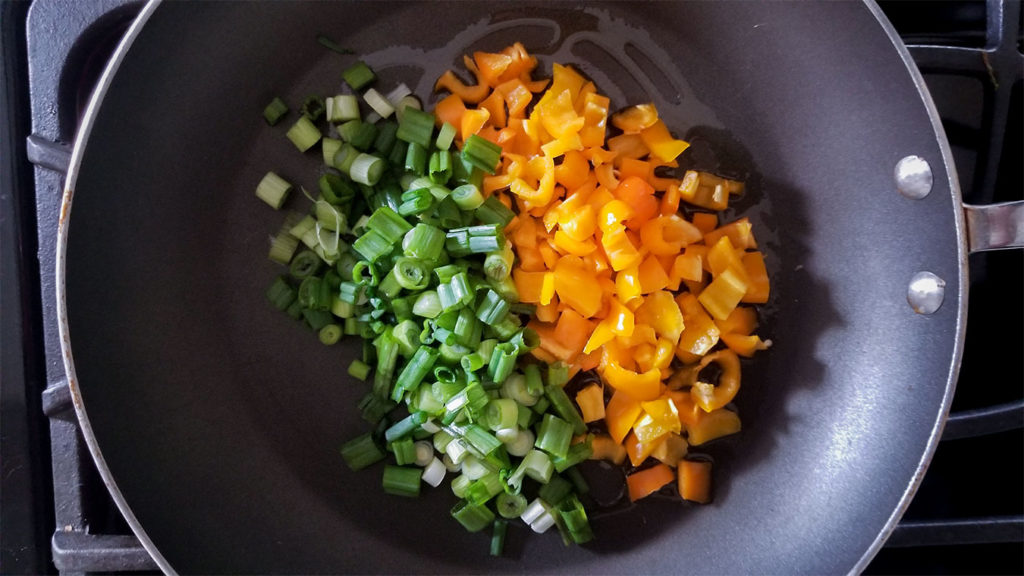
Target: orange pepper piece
point(721, 296)
point(450, 110)
point(573, 171)
point(661, 144)
point(620, 414)
point(695, 480)
point(740, 233)
point(705, 221)
point(495, 106)
point(652, 276)
point(491, 66)
point(668, 235)
point(745, 346)
point(711, 397)
point(757, 275)
point(646, 482)
point(577, 286)
point(700, 334)
point(635, 118)
point(590, 399)
point(640, 196)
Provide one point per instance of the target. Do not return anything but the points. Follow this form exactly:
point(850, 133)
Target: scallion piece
point(411, 274)
point(416, 202)
point(342, 108)
point(359, 369)
point(574, 518)
point(498, 264)
point(405, 426)
point(405, 451)
point(482, 153)
point(510, 505)
point(445, 136)
point(386, 138)
point(414, 372)
point(372, 245)
point(416, 158)
point(440, 167)
point(427, 305)
point(282, 247)
point(281, 294)
point(424, 242)
point(388, 224)
point(330, 334)
point(416, 127)
point(492, 309)
point(361, 452)
point(367, 169)
point(558, 374)
point(304, 134)
point(402, 481)
point(379, 103)
point(275, 111)
point(554, 436)
point(467, 197)
point(473, 517)
point(358, 75)
point(492, 211)
point(555, 491)
point(564, 407)
point(363, 135)
point(503, 361)
point(313, 108)
point(577, 453)
point(273, 190)
point(388, 288)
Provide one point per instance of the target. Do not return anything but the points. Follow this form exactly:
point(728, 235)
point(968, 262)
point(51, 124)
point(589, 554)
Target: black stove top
point(967, 517)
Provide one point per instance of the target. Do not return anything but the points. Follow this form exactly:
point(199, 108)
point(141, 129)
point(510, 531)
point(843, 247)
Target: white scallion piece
point(457, 451)
point(430, 427)
point(533, 511)
point(424, 453)
point(473, 468)
point(522, 445)
point(543, 522)
point(434, 473)
point(379, 103)
point(451, 466)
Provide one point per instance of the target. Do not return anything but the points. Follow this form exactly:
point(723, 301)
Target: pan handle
point(994, 226)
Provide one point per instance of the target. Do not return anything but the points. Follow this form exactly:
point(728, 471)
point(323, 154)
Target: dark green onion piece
point(416, 127)
point(359, 369)
point(534, 385)
point(304, 134)
point(350, 129)
point(416, 202)
point(388, 224)
point(574, 518)
point(440, 166)
point(503, 361)
point(330, 334)
point(402, 481)
point(349, 292)
point(416, 159)
point(498, 537)
point(389, 288)
point(492, 211)
point(305, 264)
point(361, 452)
point(525, 340)
point(554, 436)
point(405, 426)
point(317, 319)
point(564, 407)
point(473, 517)
point(275, 111)
point(510, 505)
point(555, 491)
point(372, 245)
point(482, 153)
point(373, 409)
point(387, 359)
point(407, 334)
point(386, 138)
point(405, 451)
point(358, 75)
point(424, 242)
point(332, 45)
point(359, 273)
point(445, 273)
point(281, 294)
point(336, 189)
point(414, 372)
point(492, 309)
point(558, 374)
point(313, 108)
point(484, 489)
point(363, 136)
point(577, 453)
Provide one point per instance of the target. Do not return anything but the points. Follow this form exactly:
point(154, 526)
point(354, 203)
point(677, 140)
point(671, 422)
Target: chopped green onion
point(564, 407)
point(273, 190)
point(282, 247)
point(574, 518)
point(389, 287)
point(402, 481)
point(558, 374)
point(416, 127)
point(275, 111)
point(304, 134)
point(367, 169)
point(408, 101)
point(467, 197)
point(416, 202)
point(502, 413)
point(386, 138)
point(498, 264)
point(445, 136)
point(372, 245)
point(554, 436)
point(492, 309)
point(359, 369)
point(492, 211)
point(388, 224)
point(482, 153)
point(411, 274)
point(440, 167)
point(427, 305)
point(577, 453)
point(510, 505)
point(342, 108)
point(473, 517)
point(332, 45)
point(416, 158)
point(330, 334)
point(378, 102)
point(405, 451)
point(313, 108)
point(281, 294)
point(503, 361)
point(424, 242)
point(358, 75)
point(405, 426)
point(361, 452)
point(362, 135)
point(555, 491)
point(414, 372)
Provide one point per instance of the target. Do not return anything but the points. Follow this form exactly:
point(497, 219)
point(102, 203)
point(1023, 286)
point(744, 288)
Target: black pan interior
point(220, 418)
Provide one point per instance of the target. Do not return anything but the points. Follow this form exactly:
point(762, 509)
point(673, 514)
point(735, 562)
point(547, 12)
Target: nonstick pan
point(215, 420)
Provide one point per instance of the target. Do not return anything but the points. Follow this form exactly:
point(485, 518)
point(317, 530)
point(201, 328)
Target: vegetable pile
point(489, 252)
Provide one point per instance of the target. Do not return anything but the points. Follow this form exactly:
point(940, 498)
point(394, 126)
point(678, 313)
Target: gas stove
point(967, 517)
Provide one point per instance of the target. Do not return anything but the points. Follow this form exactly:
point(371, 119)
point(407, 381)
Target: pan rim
point(81, 142)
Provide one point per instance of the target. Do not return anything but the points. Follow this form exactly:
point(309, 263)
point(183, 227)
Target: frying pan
point(215, 420)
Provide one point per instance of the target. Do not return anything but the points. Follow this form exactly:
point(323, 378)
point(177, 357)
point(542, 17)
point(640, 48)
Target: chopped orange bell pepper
point(740, 233)
point(742, 321)
point(757, 276)
point(661, 144)
point(695, 480)
point(661, 312)
point(711, 425)
point(495, 106)
point(652, 276)
point(646, 482)
point(619, 249)
point(639, 195)
point(573, 171)
point(635, 118)
point(704, 221)
point(473, 121)
point(711, 397)
point(639, 451)
point(745, 346)
point(659, 418)
point(450, 109)
point(721, 296)
point(590, 399)
point(572, 331)
point(700, 333)
point(671, 450)
point(668, 235)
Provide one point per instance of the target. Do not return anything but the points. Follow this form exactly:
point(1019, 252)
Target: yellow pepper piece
point(591, 402)
point(565, 78)
point(641, 386)
point(723, 294)
point(740, 233)
point(722, 256)
point(671, 451)
point(661, 312)
point(627, 284)
point(613, 214)
point(604, 447)
point(652, 276)
point(622, 319)
point(663, 354)
point(601, 335)
point(745, 346)
point(595, 116)
point(639, 451)
point(709, 396)
point(577, 286)
point(700, 334)
point(709, 426)
point(579, 224)
point(620, 414)
point(757, 276)
point(558, 116)
point(567, 245)
point(661, 144)
point(660, 417)
point(567, 143)
point(574, 171)
point(668, 235)
point(473, 121)
point(619, 249)
point(635, 118)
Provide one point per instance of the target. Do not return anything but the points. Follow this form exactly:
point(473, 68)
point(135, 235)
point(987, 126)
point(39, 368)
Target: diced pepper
point(577, 286)
point(695, 480)
point(661, 143)
point(668, 235)
point(620, 414)
point(661, 312)
point(700, 334)
point(745, 346)
point(723, 294)
point(671, 450)
point(757, 277)
point(635, 118)
point(639, 451)
point(641, 386)
point(590, 399)
point(740, 233)
point(711, 397)
point(711, 425)
point(652, 276)
point(572, 331)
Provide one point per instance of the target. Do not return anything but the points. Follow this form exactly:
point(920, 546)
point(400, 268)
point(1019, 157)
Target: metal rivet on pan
point(926, 292)
point(913, 177)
